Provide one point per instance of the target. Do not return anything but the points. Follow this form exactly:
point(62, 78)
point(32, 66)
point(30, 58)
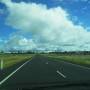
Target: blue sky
point(75, 12)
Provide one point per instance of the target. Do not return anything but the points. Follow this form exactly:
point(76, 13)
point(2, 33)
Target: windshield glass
point(44, 43)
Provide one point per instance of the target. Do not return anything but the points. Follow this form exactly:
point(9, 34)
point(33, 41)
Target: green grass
point(12, 59)
point(77, 59)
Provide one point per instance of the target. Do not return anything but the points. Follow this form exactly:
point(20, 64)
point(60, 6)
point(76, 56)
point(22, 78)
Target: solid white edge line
point(61, 74)
point(6, 78)
point(77, 65)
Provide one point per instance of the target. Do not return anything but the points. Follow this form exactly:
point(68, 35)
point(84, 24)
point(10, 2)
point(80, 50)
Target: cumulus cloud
point(19, 43)
point(51, 29)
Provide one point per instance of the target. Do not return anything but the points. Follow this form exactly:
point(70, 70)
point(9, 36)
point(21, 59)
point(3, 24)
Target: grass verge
point(76, 59)
point(12, 59)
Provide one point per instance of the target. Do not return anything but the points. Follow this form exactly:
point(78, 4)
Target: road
point(42, 69)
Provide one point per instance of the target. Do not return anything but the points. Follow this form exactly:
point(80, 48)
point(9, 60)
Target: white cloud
point(50, 28)
point(27, 44)
point(17, 42)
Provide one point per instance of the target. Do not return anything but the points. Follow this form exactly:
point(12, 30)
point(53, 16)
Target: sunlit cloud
point(51, 29)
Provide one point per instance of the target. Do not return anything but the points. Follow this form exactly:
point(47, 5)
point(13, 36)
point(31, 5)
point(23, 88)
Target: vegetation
point(71, 53)
point(12, 59)
point(74, 58)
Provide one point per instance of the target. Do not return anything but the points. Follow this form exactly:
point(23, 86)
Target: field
point(77, 59)
point(12, 59)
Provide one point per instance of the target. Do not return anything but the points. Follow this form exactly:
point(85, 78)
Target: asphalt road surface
point(42, 69)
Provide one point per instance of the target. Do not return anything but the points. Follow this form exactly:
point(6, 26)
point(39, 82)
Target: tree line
point(49, 52)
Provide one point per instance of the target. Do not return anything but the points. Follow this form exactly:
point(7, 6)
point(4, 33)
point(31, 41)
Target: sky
point(53, 25)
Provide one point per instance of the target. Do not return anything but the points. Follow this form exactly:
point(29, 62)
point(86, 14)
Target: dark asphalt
point(42, 69)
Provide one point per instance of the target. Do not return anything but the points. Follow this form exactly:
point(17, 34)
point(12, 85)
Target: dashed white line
point(5, 79)
point(61, 74)
point(46, 62)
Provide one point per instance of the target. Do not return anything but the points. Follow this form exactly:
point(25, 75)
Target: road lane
point(44, 70)
point(10, 75)
point(73, 72)
point(36, 71)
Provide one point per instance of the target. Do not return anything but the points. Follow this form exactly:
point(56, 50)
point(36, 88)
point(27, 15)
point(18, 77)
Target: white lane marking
point(46, 62)
point(76, 65)
point(5, 79)
point(61, 74)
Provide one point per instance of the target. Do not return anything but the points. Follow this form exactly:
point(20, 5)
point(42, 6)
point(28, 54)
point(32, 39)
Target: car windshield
point(44, 43)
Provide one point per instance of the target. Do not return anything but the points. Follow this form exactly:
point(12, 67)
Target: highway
point(42, 69)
